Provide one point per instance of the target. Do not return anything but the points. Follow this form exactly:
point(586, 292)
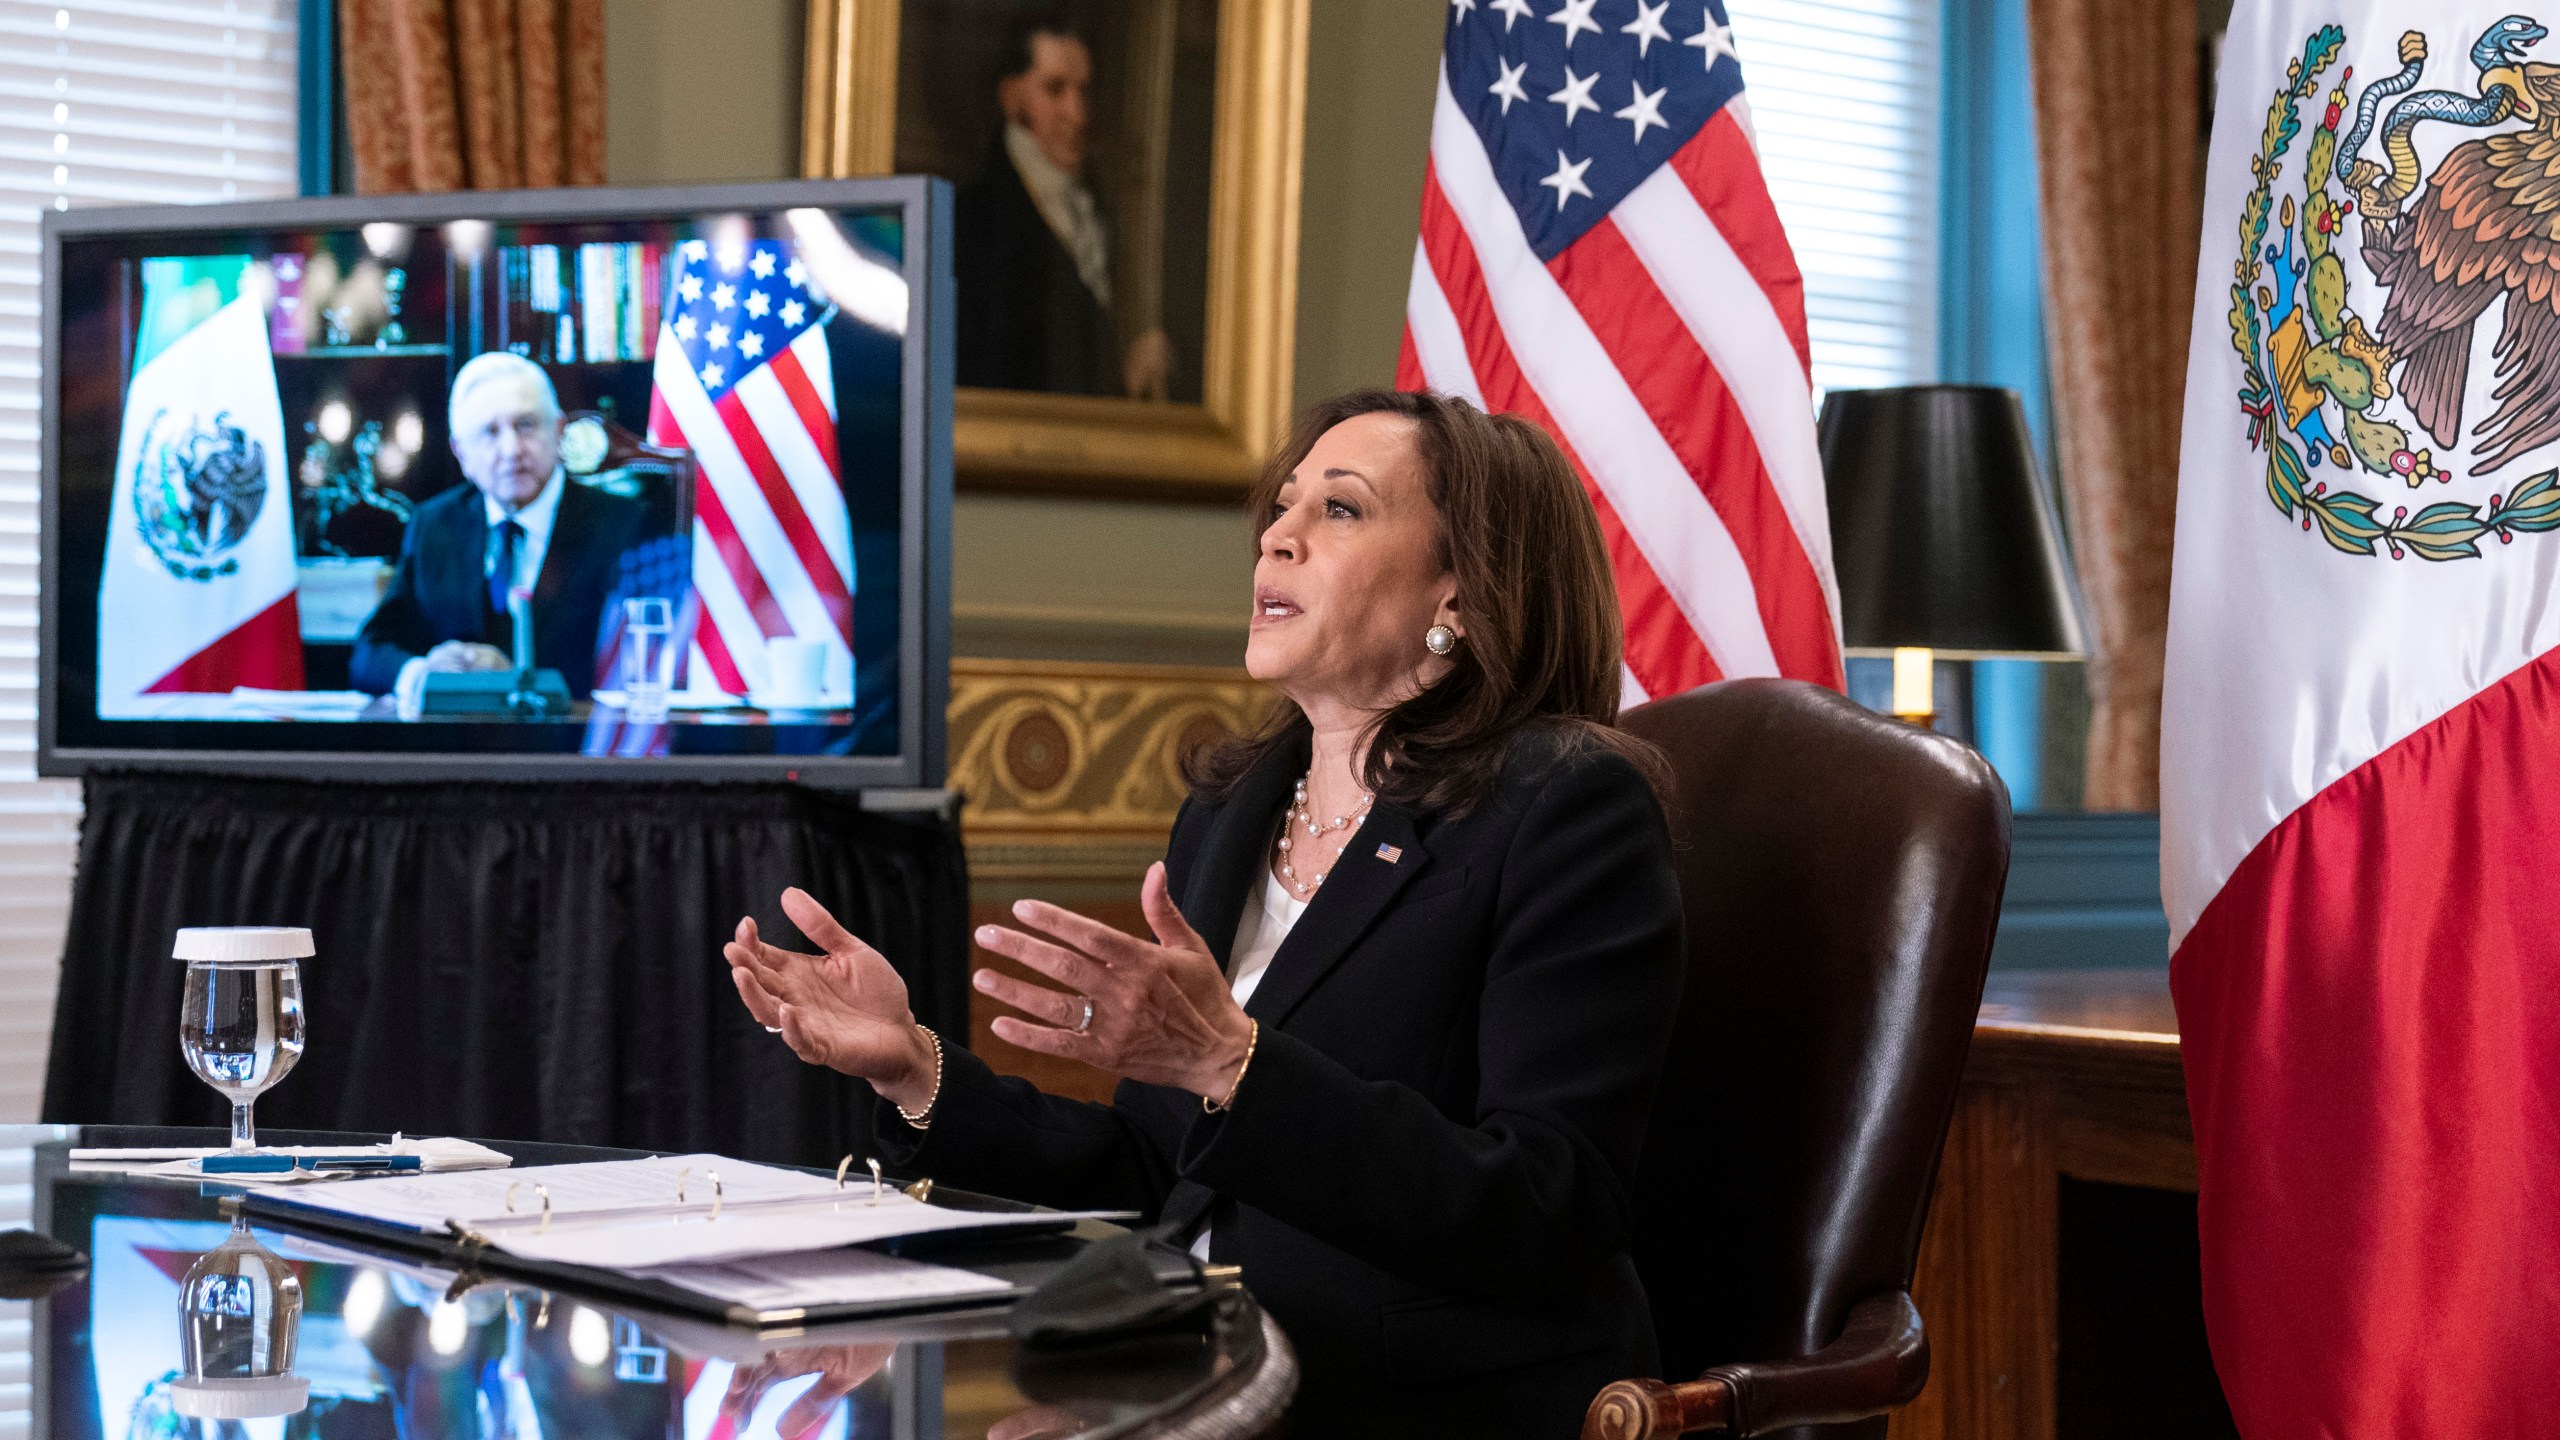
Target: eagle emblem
point(2333, 396)
point(198, 484)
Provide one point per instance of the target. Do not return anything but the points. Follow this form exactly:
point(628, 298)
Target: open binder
point(701, 1235)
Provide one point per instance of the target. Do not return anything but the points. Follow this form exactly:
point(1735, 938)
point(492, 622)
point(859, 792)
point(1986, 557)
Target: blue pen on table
point(280, 1164)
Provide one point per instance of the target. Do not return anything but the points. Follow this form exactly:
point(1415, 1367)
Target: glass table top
point(191, 1323)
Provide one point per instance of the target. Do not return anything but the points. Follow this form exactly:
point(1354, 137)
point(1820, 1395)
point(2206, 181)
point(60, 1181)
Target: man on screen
point(519, 524)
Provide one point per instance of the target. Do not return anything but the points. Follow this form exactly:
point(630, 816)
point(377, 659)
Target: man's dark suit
point(1026, 320)
point(441, 590)
point(1426, 1169)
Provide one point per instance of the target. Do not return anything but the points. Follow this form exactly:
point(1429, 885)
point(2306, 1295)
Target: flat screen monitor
point(609, 482)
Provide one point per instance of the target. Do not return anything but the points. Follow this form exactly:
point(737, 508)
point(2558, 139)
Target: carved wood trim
point(1074, 769)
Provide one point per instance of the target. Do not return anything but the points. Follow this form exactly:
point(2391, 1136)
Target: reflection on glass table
point(239, 1313)
point(192, 1325)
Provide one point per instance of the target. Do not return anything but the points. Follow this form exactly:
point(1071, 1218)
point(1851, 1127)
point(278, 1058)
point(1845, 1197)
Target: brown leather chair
point(1841, 874)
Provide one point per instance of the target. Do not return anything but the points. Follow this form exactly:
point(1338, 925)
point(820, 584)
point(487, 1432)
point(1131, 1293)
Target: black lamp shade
point(1940, 531)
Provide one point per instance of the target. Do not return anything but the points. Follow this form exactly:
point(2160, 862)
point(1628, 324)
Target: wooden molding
point(852, 56)
point(1074, 770)
point(1021, 440)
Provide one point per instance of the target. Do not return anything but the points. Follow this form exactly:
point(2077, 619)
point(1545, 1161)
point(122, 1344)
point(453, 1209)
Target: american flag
point(743, 380)
point(1599, 255)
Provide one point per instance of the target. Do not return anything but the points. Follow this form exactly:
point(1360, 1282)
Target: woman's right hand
point(845, 1009)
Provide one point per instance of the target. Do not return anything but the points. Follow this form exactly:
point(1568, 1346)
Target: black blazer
point(440, 591)
point(1426, 1171)
point(1026, 320)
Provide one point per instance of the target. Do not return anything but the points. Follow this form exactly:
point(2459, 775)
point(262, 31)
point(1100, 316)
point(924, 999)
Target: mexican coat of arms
point(2346, 403)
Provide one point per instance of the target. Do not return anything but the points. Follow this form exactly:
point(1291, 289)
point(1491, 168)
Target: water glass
point(648, 659)
point(239, 1316)
point(241, 1028)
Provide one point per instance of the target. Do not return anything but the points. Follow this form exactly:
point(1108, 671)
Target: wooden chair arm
point(1879, 1362)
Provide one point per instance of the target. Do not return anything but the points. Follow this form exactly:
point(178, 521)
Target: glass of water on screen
point(241, 1028)
point(648, 659)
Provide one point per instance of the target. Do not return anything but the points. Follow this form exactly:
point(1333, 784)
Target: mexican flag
point(2363, 694)
point(198, 588)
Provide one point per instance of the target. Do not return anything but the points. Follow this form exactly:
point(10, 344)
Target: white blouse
point(1266, 921)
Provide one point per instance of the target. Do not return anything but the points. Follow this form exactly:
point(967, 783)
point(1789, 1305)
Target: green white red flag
point(2363, 695)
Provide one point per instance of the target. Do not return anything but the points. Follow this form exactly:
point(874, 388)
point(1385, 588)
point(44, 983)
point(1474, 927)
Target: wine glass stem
point(242, 1136)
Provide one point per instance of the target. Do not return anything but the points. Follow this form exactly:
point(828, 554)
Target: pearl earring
point(1439, 639)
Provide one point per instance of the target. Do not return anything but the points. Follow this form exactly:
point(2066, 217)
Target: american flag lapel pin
point(1390, 853)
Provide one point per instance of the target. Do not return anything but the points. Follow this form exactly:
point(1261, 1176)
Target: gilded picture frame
point(1028, 440)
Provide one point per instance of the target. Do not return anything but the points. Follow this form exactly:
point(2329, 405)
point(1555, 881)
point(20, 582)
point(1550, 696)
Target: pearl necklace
point(1299, 815)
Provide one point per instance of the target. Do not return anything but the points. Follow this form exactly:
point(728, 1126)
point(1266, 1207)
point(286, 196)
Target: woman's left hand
point(840, 1370)
point(1162, 1012)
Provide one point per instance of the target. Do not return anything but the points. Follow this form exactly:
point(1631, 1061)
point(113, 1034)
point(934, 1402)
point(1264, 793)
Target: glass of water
point(240, 1313)
point(648, 659)
point(241, 1029)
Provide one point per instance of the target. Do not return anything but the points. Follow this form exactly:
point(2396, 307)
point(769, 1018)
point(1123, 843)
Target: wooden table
point(2074, 1077)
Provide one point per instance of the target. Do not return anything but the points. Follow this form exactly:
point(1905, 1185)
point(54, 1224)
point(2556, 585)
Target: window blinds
point(111, 103)
point(1844, 102)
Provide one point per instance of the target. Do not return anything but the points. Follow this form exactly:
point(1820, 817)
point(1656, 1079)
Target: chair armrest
point(1879, 1362)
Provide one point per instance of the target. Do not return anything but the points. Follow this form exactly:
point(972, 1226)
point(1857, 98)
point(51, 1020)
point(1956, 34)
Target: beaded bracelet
point(920, 1118)
point(1252, 1038)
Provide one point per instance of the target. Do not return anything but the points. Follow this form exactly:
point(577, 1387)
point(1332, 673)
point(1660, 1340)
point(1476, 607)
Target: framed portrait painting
point(1125, 227)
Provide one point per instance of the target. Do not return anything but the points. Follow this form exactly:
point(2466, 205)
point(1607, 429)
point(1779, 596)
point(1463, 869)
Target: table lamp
point(1941, 533)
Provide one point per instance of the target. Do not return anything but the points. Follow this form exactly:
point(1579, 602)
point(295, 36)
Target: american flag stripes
point(1599, 254)
point(743, 379)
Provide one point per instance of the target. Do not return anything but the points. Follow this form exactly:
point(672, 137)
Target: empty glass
point(241, 1029)
point(648, 659)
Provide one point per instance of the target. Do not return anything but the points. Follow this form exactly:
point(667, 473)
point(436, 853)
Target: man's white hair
point(495, 365)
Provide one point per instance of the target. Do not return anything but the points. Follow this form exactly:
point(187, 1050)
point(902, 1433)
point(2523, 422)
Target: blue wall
point(1990, 247)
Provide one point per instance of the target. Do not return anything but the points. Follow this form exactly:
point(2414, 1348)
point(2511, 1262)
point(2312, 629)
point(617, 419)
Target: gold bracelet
point(920, 1118)
point(1252, 1038)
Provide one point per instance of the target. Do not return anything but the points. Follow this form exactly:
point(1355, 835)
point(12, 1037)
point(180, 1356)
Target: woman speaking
point(1417, 950)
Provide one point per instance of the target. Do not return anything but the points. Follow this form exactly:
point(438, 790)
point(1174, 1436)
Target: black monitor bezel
point(924, 542)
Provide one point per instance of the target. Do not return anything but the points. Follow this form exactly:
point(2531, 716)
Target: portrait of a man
point(1080, 225)
point(520, 524)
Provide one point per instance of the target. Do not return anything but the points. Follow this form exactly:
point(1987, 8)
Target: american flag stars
point(1717, 41)
point(1643, 110)
point(1568, 179)
point(1647, 27)
point(733, 307)
point(1626, 286)
point(742, 379)
point(1576, 94)
point(1575, 17)
point(1585, 57)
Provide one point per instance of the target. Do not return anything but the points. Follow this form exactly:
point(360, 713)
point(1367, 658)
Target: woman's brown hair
point(1535, 593)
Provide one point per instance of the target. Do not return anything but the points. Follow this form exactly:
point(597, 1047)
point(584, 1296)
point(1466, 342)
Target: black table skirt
point(526, 960)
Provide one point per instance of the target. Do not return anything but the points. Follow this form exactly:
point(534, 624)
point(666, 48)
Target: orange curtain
point(473, 94)
point(2117, 118)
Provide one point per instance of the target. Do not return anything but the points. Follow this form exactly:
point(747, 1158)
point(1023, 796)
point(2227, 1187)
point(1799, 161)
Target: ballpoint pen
point(279, 1164)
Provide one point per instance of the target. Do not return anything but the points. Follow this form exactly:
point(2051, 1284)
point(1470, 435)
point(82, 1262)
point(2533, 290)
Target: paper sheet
point(491, 1201)
point(625, 1214)
point(826, 1277)
point(692, 1236)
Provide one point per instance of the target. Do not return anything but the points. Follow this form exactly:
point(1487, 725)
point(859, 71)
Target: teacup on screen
point(798, 669)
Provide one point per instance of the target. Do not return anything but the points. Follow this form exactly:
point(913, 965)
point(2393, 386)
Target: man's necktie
point(502, 570)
